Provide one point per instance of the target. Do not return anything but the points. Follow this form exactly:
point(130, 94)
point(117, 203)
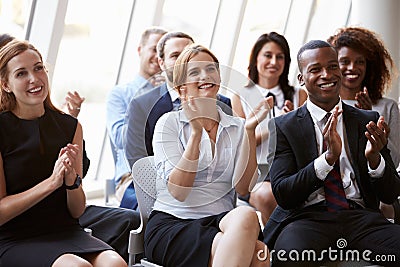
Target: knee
point(109, 258)
point(262, 255)
point(71, 260)
point(247, 219)
point(263, 197)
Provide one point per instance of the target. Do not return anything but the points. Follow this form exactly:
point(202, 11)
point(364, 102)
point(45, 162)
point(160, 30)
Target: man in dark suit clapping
point(330, 170)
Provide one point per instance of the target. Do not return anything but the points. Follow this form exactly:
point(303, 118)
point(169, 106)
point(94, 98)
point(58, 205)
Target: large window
point(91, 50)
point(88, 62)
point(261, 16)
point(13, 16)
point(96, 46)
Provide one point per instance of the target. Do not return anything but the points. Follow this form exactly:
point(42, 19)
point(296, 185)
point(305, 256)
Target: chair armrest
point(135, 245)
point(136, 241)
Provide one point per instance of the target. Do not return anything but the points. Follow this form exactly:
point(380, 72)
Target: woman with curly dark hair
point(367, 70)
point(268, 73)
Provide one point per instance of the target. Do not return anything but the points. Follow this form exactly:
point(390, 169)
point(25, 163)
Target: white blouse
point(212, 192)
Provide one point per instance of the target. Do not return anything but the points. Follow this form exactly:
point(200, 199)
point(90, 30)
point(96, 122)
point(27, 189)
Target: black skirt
point(43, 250)
point(171, 241)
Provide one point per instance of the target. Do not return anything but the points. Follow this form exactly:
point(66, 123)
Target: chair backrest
point(144, 175)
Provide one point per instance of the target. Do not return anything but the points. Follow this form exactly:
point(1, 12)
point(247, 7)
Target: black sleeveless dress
point(37, 237)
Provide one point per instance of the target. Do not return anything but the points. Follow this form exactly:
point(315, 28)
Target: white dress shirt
point(321, 166)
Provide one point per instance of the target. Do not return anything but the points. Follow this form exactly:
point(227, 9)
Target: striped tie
point(335, 196)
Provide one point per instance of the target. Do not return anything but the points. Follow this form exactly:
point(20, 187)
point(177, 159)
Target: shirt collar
point(318, 113)
point(274, 90)
point(172, 93)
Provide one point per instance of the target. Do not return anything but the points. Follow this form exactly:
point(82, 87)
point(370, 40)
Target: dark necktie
point(335, 196)
point(176, 104)
point(273, 108)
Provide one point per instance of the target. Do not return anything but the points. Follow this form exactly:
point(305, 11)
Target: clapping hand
point(363, 100)
point(73, 102)
point(288, 106)
point(157, 79)
point(259, 113)
point(69, 155)
point(377, 135)
point(332, 138)
point(197, 109)
point(189, 105)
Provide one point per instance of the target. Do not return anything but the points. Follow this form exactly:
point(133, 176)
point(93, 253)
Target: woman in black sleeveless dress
point(41, 196)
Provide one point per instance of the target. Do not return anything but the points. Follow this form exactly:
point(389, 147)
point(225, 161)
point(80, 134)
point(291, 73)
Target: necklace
point(208, 131)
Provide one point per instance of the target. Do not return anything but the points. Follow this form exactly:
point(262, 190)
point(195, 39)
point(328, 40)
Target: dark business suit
point(293, 179)
point(142, 116)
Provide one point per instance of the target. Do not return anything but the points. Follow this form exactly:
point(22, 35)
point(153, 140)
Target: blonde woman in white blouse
point(203, 156)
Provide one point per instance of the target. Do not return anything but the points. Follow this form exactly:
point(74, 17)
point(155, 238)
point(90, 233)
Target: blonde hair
point(180, 67)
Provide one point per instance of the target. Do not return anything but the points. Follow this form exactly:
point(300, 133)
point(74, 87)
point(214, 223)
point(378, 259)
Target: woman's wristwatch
point(76, 184)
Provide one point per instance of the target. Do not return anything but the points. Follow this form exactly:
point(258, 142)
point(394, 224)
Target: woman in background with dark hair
point(367, 69)
point(268, 73)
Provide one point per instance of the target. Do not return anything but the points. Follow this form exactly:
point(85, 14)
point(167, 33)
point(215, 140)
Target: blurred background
point(90, 45)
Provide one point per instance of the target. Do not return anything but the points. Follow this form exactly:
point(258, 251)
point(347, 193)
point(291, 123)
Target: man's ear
point(161, 63)
point(300, 79)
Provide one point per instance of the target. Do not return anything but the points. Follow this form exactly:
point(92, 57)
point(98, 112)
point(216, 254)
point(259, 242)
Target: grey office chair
point(144, 178)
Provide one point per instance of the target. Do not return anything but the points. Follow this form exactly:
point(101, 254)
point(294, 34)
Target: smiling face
point(270, 62)
point(353, 66)
point(203, 77)
point(27, 79)
point(148, 56)
point(172, 49)
point(320, 74)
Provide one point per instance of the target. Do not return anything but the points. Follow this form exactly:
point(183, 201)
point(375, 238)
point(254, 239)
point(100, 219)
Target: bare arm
point(181, 178)
point(245, 175)
point(76, 199)
point(14, 205)
point(237, 106)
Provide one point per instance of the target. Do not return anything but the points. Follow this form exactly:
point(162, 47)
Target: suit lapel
point(352, 132)
point(306, 132)
point(164, 104)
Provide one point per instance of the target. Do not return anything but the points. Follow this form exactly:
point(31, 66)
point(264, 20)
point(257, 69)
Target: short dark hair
point(313, 44)
point(166, 37)
point(5, 38)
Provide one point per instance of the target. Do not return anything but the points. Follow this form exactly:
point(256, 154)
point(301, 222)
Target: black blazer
point(292, 173)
